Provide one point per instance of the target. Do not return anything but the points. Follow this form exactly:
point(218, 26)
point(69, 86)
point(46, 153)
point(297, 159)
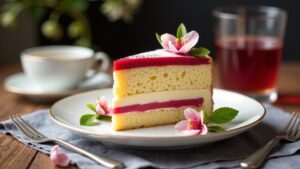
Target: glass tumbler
point(249, 42)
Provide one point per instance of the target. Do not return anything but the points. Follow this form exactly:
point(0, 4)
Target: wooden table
point(14, 155)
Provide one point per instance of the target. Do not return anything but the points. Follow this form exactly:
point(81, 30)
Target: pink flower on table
point(59, 158)
point(182, 45)
point(102, 107)
point(193, 125)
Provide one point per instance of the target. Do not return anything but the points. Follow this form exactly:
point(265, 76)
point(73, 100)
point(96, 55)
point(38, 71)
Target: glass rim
point(223, 12)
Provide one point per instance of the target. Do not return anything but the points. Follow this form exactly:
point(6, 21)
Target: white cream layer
point(164, 96)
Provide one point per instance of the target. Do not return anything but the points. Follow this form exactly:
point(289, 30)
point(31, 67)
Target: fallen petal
point(182, 125)
point(59, 158)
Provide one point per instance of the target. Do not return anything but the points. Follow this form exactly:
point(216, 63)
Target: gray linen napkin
point(223, 154)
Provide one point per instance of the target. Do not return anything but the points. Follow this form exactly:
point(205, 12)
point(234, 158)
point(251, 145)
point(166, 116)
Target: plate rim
point(87, 132)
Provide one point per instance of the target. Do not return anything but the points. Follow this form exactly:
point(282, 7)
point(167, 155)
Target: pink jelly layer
point(128, 63)
point(157, 105)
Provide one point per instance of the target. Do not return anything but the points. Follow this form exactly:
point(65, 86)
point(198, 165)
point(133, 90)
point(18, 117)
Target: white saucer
point(20, 84)
point(68, 111)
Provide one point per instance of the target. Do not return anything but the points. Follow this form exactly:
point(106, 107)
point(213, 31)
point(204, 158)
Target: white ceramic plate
point(67, 112)
point(20, 84)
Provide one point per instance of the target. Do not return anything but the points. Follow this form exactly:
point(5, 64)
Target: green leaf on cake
point(199, 52)
point(89, 120)
point(215, 128)
point(91, 107)
point(223, 115)
point(158, 38)
point(181, 31)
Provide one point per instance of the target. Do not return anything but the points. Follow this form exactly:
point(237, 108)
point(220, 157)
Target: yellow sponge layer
point(135, 81)
point(155, 117)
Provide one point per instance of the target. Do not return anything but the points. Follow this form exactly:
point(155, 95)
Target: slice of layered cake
point(154, 88)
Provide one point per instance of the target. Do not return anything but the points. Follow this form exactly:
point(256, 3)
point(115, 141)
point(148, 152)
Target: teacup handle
point(105, 61)
point(104, 65)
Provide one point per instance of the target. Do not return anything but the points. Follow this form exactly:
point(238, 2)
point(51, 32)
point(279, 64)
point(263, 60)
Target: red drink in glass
point(249, 63)
point(249, 47)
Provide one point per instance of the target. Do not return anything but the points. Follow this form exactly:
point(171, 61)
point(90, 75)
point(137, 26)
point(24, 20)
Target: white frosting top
point(156, 53)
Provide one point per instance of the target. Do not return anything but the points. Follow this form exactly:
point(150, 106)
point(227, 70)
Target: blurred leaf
point(83, 42)
point(37, 12)
point(74, 6)
point(76, 29)
point(52, 30)
point(13, 6)
point(8, 19)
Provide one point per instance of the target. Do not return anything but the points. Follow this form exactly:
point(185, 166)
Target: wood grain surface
point(15, 155)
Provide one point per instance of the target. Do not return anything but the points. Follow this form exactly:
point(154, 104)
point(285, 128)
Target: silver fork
point(290, 132)
point(35, 136)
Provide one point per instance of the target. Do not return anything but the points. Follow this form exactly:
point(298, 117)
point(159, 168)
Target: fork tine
point(24, 126)
point(28, 127)
point(24, 131)
point(285, 129)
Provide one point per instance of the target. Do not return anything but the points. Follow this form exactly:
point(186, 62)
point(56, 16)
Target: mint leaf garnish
point(223, 115)
point(89, 120)
point(105, 118)
point(181, 31)
point(91, 107)
point(199, 52)
point(158, 38)
point(215, 128)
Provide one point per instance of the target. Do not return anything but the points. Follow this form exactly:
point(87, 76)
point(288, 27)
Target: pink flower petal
point(191, 39)
point(172, 47)
point(59, 158)
point(190, 113)
point(182, 125)
point(204, 130)
point(191, 132)
point(166, 39)
point(102, 107)
point(100, 110)
point(201, 119)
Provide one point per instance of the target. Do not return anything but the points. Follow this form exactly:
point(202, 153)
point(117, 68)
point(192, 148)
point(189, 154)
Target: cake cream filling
point(164, 96)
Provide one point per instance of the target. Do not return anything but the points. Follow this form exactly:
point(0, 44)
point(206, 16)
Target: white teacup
point(60, 68)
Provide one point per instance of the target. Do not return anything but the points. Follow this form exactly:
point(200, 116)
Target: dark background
point(119, 39)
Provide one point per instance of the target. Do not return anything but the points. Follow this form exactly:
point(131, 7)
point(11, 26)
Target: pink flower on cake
point(59, 158)
point(193, 125)
point(102, 106)
point(179, 45)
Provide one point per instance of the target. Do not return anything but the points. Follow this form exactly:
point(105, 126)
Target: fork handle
point(258, 157)
point(109, 163)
